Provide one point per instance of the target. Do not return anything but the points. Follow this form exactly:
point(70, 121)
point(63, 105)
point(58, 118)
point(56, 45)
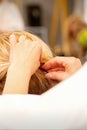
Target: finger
point(33, 45)
point(38, 50)
point(57, 75)
point(22, 39)
point(58, 62)
point(12, 40)
point(35, 48)
point(53, 63)
point(57, 69)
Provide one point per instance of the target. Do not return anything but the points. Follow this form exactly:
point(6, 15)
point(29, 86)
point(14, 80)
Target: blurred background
point(57, 22)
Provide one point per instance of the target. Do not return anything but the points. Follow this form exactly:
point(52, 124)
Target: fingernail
point(12, 38)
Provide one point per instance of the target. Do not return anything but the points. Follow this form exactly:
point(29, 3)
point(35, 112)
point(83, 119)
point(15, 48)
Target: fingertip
point(12, 39)
point(49, 76)
point(22, 38)
point(46, 66)
point(36, 43)
point(43, 66)
point(53, 76)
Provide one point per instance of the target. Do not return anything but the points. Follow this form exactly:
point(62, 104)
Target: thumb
point(59, 75)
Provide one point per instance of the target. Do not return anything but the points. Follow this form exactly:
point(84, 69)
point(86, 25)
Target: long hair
point(68, 39)
point(38, 83)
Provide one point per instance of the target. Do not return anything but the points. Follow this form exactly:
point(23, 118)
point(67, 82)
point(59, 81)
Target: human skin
point(60, 68)
point(24, 61)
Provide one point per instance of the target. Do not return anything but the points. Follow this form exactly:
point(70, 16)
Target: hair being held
point(38, 83)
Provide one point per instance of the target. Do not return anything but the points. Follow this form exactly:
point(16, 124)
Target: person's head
point(74, 24)
point(38, 83)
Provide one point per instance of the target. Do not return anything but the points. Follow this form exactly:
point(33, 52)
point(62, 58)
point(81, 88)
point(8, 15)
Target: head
point(74, 24)
point(38, 83)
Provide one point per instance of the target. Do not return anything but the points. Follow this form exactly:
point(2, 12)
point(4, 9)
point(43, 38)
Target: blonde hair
point(38, 83)
point(67, 36)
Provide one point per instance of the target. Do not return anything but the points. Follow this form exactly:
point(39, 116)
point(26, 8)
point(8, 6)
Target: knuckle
point(77, 60)
point(73, 58)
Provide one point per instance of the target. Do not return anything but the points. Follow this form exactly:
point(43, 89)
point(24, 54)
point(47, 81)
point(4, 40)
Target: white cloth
point(10, 17)
point(62, 107)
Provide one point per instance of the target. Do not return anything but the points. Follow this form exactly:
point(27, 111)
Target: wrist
point(17, 81)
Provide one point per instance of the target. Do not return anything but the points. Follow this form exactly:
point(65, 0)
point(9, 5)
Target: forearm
point(17, 81)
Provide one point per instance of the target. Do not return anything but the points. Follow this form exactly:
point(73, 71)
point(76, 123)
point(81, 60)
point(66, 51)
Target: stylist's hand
point(60, 68)
point(25, 54)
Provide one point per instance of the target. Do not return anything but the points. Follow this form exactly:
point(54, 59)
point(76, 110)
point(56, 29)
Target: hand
point(25, 54)
point(60, 68)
